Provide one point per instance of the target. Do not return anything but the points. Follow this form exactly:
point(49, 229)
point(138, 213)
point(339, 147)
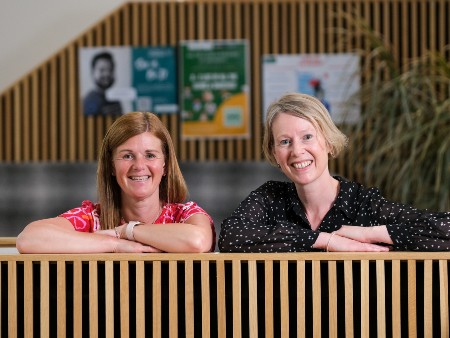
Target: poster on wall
point(214, 89)
point(116, 80)
point(333, 78)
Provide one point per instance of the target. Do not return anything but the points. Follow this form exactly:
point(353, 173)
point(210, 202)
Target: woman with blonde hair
point(316, 211)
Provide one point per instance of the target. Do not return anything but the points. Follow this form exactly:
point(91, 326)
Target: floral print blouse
point(272, 219)
point(86, 218)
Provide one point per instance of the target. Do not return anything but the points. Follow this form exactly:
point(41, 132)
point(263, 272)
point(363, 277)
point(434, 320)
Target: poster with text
point(214, 89)
point(333, 78)
point(117, 80)
point(154, 78)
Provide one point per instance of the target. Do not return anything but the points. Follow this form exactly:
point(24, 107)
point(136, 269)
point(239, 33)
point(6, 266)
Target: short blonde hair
point(309, 108)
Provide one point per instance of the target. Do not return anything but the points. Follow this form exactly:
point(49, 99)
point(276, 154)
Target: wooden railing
point(225, 295)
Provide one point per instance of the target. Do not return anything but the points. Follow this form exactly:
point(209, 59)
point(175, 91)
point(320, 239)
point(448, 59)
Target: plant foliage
point(404, 131)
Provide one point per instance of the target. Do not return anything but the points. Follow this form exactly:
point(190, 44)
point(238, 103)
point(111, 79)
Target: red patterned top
point(87, 217)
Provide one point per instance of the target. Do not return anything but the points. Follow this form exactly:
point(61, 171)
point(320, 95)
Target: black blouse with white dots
point(272, 219)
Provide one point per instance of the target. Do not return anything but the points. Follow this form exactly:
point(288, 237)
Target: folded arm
point(57, 235)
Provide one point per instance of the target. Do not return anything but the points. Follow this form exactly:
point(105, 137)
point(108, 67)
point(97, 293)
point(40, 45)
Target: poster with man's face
point(117, 80)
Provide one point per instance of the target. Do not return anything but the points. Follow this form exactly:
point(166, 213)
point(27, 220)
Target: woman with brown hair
point(141, 200)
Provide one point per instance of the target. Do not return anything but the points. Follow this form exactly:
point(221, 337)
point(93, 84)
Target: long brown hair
point(172, 188)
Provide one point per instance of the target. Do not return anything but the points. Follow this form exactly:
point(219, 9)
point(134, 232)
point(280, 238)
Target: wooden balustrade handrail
point(216, 256)
point(7, 242)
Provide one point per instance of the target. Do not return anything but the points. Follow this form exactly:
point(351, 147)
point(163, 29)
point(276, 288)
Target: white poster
point(333, 78)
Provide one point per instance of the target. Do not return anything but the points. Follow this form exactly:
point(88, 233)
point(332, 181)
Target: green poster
point(214, 89)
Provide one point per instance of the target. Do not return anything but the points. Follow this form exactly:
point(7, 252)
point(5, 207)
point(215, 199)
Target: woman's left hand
point(372, 234)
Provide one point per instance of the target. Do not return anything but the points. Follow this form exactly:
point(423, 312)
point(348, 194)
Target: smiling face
point(103, 73)
point(299, 149)
point(139, 166)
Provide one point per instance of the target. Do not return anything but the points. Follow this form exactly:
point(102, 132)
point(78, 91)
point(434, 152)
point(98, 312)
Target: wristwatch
point(130, 228)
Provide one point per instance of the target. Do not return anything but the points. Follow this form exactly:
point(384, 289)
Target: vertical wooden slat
point(189, 297)
point(428, 298)
point(332, 296)
point(206, 307)
point(414, 32)
point(381, 304)
point(124, 300)
point(109, 299)
point(301, 299)
point(154, 23)
point(237, 323)
point(126, 32)
point(365, 330)
point(237, 34)
point(221, 310)
point(93, 299)
point(257, 47)
point(229, 35)
point(412, 307)
point(396, 303)
point(163, 23)
point(25, 127)
point(89, 121)
point(53, 110)
point(61, 296)
point(284, 298)
point(252, 300)
point(395, 30)
point(28, 298)
point(181, 36)
point(34, 118)
point(443, 292)
point(268, 268)
point(9, 142)
point(247, 146)
point(173, 299)
point(45, 299)
point(135, 29)
point(17, 123)
point(140, 299)
point(77, 299)
point(317, 299)
point(72, 98)
point(404, 32)
point(156, 299)
point(145, 24)
point(62, 107)
point(348, 273)
point(12, 299)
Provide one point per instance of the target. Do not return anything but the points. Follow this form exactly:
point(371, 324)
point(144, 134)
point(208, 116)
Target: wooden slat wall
point(215, 295)
point(40, 115)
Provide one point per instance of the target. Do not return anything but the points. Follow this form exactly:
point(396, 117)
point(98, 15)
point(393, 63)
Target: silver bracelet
point(329, 239)
point(130, 228)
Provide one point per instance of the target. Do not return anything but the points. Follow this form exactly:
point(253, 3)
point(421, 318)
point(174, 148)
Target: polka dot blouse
point(272, 219)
